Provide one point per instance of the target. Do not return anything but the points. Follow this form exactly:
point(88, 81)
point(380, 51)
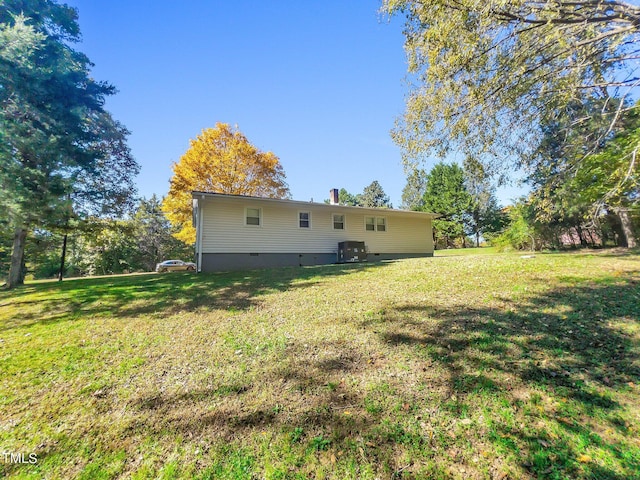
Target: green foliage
point(19, 41)
point(520, 233)
point(57, 143)
point(446, 195)
point(319, 443)
point(111, 246)
point(487, 76)
point(346, 198)
point(485, 216)
point(154, 234)
point(374, 196)
point(5, 246)
point(573, 187)
point(413, 191)
point(611, 178)
point(464, 197)
point(43, 251)
point(48, 100)
point(100, 246)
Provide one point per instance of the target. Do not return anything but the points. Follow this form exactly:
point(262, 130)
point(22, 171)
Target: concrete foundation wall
point(219, 262)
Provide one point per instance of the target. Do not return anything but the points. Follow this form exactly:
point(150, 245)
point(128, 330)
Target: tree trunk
point(62, 258)
point(627, 226)
point(478, 239)
point(16, 272)
point(581, 236)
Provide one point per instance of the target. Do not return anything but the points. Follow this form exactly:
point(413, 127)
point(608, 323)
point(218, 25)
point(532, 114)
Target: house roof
point(329, 206)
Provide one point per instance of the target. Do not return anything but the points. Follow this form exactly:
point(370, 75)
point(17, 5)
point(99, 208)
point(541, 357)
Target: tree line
point(547, 87)
point(548, 218)
point(63, 157)
point(466, 204)
point(102, 246)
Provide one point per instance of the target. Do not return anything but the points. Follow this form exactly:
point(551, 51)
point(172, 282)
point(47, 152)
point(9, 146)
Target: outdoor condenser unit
point(352, 252)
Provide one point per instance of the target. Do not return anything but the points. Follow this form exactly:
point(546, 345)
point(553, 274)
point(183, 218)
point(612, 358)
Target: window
point(338, 221)
point(372, 224)
point(304, 219)
point(253, 216)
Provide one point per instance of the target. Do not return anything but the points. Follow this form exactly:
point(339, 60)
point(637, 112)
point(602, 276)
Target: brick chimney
point(333, 196)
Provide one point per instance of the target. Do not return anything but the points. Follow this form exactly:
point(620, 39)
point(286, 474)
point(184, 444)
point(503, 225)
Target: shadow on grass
point(570, 342)
point(160, 295)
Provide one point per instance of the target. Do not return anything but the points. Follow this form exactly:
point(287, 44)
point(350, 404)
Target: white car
point(175, 266)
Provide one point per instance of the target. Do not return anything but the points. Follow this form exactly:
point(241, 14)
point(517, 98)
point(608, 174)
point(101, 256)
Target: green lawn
point(478, 366)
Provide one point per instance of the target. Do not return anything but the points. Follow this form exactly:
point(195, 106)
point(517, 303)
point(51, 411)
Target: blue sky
point(318, 83)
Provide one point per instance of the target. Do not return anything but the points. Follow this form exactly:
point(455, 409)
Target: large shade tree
point(221, 160)
point(57, 143)
point(487, 74)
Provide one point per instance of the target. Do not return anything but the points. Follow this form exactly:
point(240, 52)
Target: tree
point(488, 74)
point(570, 188)
point(446, 194)
point(109, 245)
point(220, 160)
point(373, 196)
point(153, 232)
point(485, 215)
point(52, 120)
point(610, 179)
point(520, 233)
point(413, 191)
point(108, 191)
point(346, 198)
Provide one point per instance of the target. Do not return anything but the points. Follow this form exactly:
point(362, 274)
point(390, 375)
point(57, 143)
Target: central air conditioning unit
point(352, 252)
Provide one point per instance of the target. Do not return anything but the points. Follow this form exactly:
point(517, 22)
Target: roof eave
point(315, 204)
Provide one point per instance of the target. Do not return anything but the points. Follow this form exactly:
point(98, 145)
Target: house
point(235, 232)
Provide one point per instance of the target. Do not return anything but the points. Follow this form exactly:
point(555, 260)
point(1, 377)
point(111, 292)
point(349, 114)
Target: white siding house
point(238, 232)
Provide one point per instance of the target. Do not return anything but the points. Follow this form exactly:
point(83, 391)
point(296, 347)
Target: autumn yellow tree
point(221, 160)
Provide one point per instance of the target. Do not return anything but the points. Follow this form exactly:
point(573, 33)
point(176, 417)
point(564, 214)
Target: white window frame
point(246, 216)
point(344, 222)
point(375, 223)
point(366, 224)
point(308, 219)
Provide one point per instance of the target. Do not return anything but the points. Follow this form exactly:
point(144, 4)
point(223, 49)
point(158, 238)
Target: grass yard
point(479, 366)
